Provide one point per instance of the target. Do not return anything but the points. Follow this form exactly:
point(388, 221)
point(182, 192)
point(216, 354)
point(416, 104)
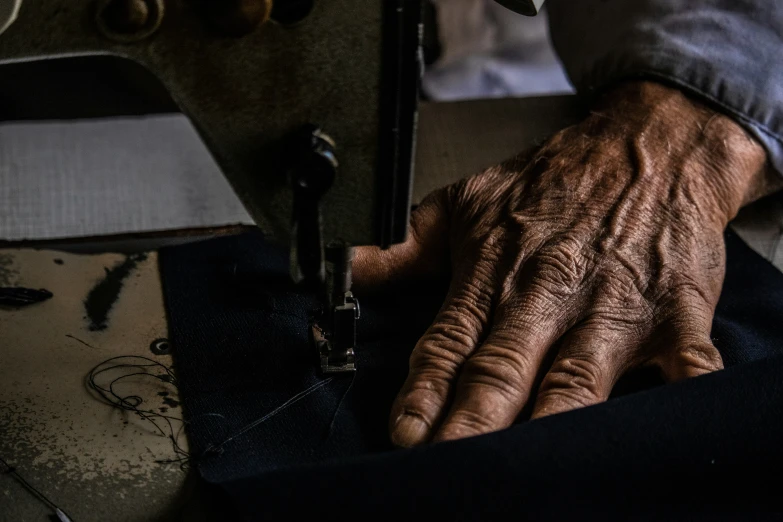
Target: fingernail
point(409, 430)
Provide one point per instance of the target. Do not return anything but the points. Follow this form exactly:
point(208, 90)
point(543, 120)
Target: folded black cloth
point(280, 441)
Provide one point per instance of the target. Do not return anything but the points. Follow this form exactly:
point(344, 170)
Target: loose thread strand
point(339, 405)
point(290, 402)
point(9, 470)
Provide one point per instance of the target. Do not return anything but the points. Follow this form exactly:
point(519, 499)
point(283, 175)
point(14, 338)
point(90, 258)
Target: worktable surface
point(96, 462)
point(79, 451)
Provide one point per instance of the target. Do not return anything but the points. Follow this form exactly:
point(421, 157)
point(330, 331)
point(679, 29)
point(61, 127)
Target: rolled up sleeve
point(729, 52)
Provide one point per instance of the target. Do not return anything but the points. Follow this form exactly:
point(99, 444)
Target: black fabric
point(239, 330)
point(242, 349)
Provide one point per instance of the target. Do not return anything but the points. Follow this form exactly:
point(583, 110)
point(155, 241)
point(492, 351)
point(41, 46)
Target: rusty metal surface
point(244, 94)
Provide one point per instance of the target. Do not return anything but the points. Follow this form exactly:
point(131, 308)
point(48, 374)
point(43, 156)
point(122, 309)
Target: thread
point(339, 405)
point(140, 366)
point(131, 403)
point(290, 402)
point(9, 470)
point(166, 427)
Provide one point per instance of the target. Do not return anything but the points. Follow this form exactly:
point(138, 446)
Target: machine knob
point(129, 21)
point(126, 16)
point(238, 18)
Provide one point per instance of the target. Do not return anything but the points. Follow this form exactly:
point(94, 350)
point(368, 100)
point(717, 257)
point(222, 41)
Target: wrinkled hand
point(604, 249)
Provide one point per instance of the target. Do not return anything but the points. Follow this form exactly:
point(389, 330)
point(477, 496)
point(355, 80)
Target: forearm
point(728, 54)
point(663, 119)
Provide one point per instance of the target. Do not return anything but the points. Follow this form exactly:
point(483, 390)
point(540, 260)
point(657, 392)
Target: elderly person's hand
point(604, 248)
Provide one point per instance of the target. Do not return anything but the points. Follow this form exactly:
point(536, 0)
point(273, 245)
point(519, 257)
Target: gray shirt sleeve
point(729, 52)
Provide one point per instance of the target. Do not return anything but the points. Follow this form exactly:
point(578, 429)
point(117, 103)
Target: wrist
point(704, 149)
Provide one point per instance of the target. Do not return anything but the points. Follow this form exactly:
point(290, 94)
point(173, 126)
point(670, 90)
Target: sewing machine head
point(308, 106)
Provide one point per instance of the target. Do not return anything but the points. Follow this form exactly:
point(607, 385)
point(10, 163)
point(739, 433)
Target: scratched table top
point(93, 461)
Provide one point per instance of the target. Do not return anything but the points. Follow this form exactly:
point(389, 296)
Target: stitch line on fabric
point(339, 405)
point(290, 402)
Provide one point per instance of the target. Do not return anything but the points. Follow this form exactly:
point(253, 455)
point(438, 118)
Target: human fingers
point(592, 356)
point(438, 356)
point(496, 381)
point(688, 350)
point(424, 253)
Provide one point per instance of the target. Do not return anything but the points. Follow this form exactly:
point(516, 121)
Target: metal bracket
point(336, 346)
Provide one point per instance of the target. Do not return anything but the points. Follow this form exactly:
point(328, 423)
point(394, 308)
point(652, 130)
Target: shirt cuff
point(730, 57)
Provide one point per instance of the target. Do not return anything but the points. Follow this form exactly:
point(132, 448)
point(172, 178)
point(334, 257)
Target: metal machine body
point(350, 67)
point(308, 106)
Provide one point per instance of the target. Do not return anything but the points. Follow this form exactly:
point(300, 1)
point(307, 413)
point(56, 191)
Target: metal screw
point(160, 347)
point(290, 12)
point(238, 18)
point(128, 21)
point(126, 16)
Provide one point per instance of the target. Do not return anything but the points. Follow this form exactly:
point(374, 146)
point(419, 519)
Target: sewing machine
point(312, 122)
point(309, 108)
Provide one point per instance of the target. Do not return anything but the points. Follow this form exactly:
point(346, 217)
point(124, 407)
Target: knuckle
point(515, 363)
point(422, 404)
point(564, 399)
point(474, 289)
point(424, 394)
point(432, 379)
point(499, 371)
point(554, 279)
point(465, 423)
point(618, 282)
point(454, 334)
point(491, 243)
point(612, 317)
point(562, 268)
point(472, 302)
point(527, 312)
point(459, 324)
point(578, 379)
point(438, 354)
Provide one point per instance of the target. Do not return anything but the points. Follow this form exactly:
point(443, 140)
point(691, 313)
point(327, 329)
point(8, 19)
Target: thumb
point(425, 253)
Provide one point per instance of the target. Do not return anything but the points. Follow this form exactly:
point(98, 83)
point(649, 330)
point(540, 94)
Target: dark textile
point(239, 332)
